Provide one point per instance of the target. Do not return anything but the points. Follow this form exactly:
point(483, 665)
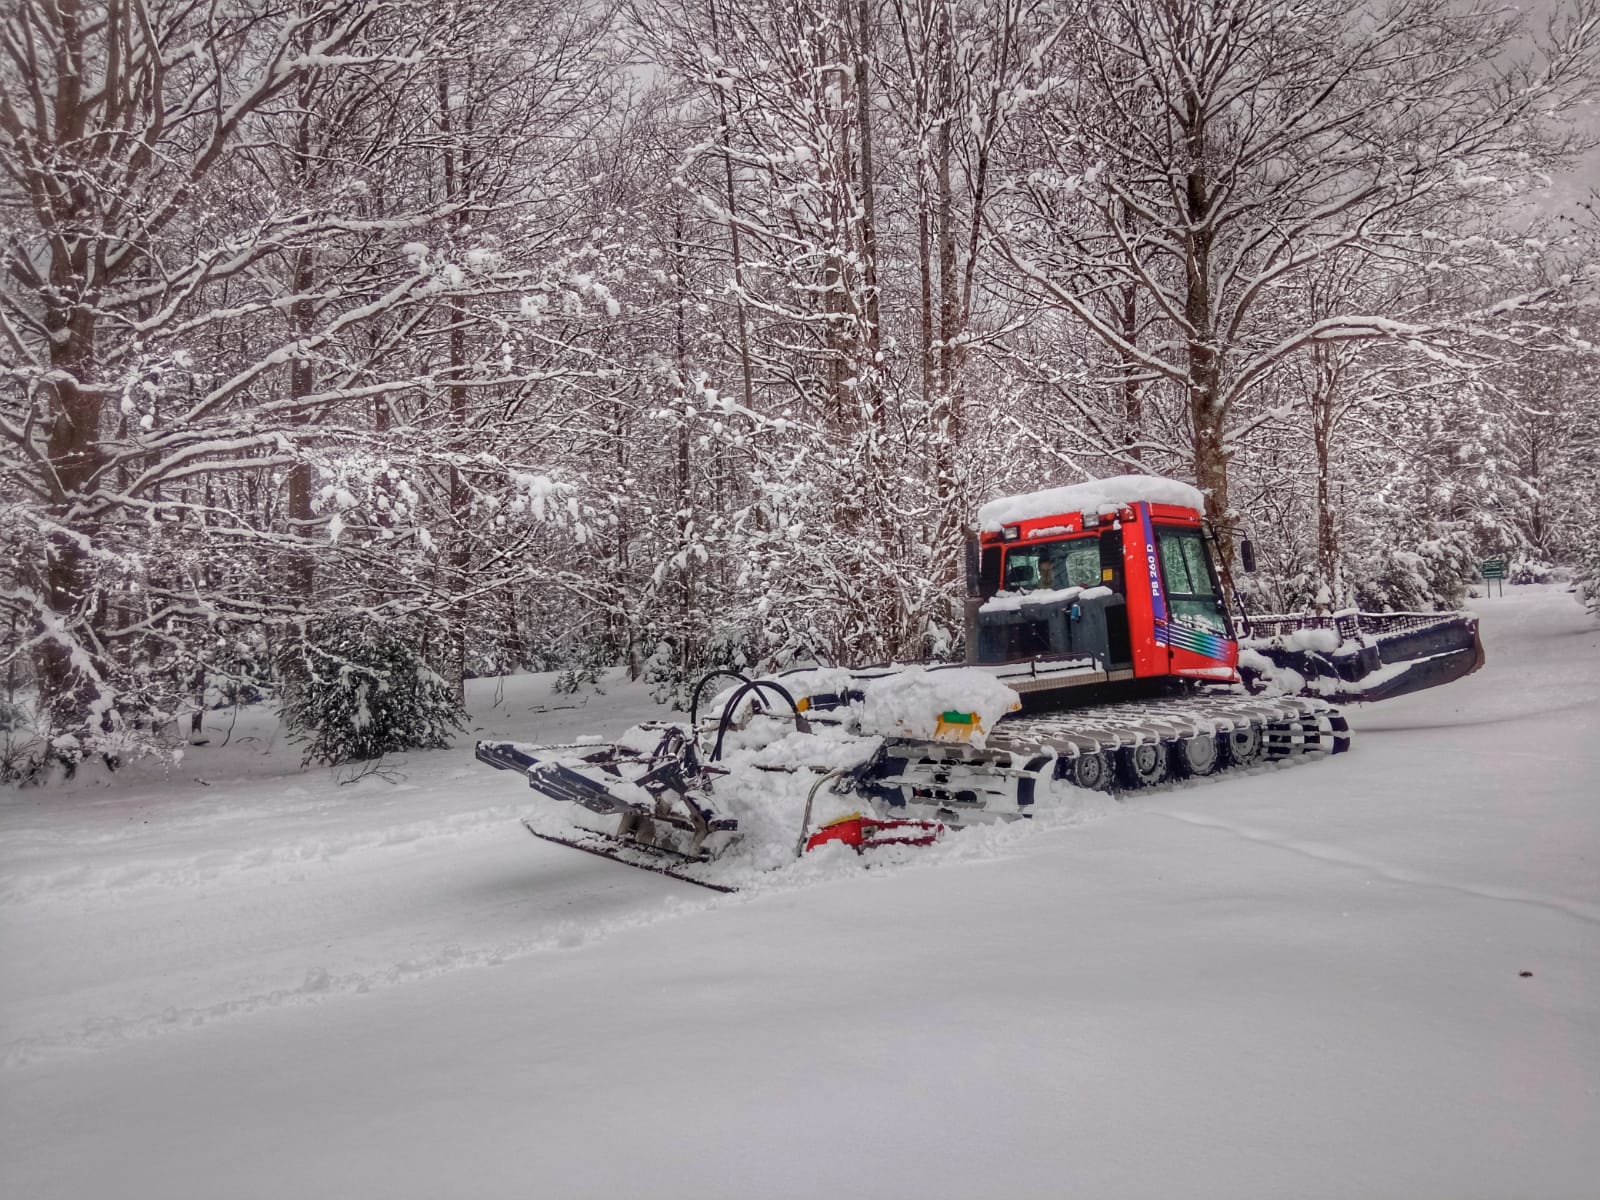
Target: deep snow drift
point(1377, 975)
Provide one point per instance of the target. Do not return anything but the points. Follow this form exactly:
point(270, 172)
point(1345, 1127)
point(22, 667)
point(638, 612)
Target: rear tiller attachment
point(662, 799)
point(659, 787)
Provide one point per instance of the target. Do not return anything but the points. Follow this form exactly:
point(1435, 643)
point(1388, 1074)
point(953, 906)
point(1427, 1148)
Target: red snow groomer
point(1102, 653)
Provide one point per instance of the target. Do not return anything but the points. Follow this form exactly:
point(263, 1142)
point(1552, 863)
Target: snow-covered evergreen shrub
point(355, 688)
point(677, 663)
point(238, 666)
point(580, 675)
point(1432, 573)
point(23, 752)
point(1588, 575)
point(1531, 570)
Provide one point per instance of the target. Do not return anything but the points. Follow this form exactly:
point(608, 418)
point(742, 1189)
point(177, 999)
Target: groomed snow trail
point(1377, 975)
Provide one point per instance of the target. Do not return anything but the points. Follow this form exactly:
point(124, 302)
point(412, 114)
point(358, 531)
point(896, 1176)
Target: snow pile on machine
point(1096, 496)
point(948, 705)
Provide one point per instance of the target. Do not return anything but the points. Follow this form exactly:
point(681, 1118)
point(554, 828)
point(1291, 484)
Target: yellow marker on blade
point(960, 725)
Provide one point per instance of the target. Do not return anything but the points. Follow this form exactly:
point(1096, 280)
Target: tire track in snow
point(976, 845)
point(322, 985)
point(86, 883)
point(1576, 909)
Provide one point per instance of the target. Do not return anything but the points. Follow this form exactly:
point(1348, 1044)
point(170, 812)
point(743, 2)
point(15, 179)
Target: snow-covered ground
point(1373, 976)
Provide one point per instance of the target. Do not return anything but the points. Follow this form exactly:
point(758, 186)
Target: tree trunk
point(76, 457)
point(947, 415)
point(1207, 411)
point(684, 500)
point(871, 340)
point(72, 442)
point(302, 376)
point(457, 169)
point(1132, 396)
point(302, 379)
point(746, 371)
point(1325, 363)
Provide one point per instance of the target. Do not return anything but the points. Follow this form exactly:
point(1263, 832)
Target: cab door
point(1114, 574)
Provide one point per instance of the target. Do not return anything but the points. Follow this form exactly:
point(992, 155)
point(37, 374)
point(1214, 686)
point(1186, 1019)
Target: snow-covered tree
point(1212, 156)
point(231, 255)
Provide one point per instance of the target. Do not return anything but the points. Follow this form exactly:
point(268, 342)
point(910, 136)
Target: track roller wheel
point(1144, 765)
point(1199, 755)
point(1245, 746)
point(1092, 771)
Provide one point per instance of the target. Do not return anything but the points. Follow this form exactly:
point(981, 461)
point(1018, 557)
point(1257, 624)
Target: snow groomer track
point(1107, 747)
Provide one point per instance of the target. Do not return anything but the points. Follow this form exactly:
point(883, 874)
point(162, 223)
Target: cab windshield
point(1193, 596)
point(1050, 566)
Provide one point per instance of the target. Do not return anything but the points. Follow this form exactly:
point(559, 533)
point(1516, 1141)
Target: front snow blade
point(1378, 656)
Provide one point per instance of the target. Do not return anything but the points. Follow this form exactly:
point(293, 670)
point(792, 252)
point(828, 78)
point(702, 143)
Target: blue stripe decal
point(1196, 641)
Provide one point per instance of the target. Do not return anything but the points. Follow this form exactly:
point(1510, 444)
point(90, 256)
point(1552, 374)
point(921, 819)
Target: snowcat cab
point(1121, 572)
point(1110, 586)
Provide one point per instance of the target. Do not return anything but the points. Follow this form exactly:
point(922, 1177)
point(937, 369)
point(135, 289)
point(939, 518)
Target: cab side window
point(1193, 596)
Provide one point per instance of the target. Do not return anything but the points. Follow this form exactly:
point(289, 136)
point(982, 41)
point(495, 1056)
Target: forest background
point(359, 341)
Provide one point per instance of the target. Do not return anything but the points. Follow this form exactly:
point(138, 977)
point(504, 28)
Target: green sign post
point(1493, 568)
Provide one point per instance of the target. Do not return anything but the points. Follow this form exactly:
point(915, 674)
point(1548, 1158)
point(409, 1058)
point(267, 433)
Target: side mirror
point(1247, 556)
